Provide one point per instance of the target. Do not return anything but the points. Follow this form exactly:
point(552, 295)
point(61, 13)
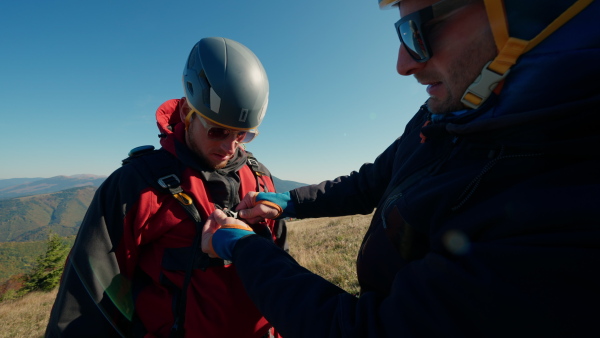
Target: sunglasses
point(219, 133)
point(412, 29)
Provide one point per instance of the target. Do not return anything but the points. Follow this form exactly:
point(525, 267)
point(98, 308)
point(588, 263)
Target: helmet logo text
point(243, 115)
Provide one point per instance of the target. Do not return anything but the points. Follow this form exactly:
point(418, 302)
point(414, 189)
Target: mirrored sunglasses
point(219, 133)
point(412, 28)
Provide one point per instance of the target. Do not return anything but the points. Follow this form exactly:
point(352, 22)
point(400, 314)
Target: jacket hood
point(519, 28)
point(559, 72)
point(549, 102)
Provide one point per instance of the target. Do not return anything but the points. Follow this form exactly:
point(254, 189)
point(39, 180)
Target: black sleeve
point(94, 298)
point(436, 296)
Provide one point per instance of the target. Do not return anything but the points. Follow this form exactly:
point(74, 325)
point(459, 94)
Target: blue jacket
point(488, 228)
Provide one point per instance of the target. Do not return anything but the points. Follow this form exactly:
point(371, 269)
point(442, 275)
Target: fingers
point(208, 231)
point(225, 221)
point(259, 212)
point(248, 201)
point(219, 216)
point(255, 214)
point(219, 220)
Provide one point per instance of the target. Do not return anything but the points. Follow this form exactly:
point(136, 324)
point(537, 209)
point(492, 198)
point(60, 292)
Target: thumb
point(248, 201)
point(251, 213)
point(219, 217)
point(208, 230)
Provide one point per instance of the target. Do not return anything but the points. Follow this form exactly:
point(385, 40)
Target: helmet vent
point(190, 88)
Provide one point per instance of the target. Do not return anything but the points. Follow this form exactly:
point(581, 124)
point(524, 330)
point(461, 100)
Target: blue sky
point(80, 81)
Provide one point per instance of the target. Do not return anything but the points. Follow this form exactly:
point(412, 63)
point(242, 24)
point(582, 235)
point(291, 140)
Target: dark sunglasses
point(218, 133)
point(412, 28)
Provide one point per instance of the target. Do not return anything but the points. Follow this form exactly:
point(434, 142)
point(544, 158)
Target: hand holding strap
point(221, 233)
point(258, 206)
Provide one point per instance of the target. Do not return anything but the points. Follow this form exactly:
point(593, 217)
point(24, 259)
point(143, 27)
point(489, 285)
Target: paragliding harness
point(161, 171)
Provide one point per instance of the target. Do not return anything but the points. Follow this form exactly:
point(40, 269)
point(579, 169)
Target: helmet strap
point(510, 49)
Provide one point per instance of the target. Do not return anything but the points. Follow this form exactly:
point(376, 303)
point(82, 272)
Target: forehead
point(409, 6)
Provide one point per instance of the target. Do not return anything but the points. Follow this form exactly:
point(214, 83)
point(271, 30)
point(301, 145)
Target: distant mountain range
point(30, 208)
point(19, 187)
point(35, 186)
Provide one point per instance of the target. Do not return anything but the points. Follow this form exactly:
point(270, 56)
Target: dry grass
point(26, 317)
point(326, 246)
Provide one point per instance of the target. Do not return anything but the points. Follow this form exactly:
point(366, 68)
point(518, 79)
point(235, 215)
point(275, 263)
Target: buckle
point(228, 212)
point(169, 181)
point(483, 86)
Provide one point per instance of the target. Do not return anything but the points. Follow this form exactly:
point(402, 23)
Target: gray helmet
point(226, 83)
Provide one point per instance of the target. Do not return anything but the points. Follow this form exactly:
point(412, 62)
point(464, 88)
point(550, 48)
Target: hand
point(220, 234)
point(253, 212)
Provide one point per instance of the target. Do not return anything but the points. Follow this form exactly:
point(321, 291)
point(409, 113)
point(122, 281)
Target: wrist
point(225, 239)
point(281, 201)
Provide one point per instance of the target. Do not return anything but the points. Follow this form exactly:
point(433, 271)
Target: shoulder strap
point(161, 170)
point(259, 174)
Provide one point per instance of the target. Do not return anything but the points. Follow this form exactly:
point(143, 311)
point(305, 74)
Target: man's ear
point(183, 109)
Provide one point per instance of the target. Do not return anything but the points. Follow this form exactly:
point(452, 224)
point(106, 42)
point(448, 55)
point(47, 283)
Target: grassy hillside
point(326, 246)
point(30, 218)
point(26, 317)
point(19, 257)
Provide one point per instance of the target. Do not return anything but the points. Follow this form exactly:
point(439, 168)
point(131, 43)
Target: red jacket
point(129, 261)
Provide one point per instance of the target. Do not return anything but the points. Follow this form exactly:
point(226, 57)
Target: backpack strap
point(163, 169)
point(172, 183)
point(259, 175)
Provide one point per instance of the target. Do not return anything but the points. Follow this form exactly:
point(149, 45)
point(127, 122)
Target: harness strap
point(173, 184)
point(253, 164)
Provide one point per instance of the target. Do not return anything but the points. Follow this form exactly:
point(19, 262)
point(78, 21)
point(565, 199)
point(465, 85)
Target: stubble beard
point(463, 72)
point(201, 156)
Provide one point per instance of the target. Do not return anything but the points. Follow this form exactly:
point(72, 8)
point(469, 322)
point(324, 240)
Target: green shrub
point(48, 268)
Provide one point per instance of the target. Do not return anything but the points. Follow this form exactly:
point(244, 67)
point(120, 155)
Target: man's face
point(461, 44)
point(215, 153)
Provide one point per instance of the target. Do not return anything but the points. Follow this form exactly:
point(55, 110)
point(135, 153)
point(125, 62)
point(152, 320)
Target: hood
point(549, 102)
point(558, 72)
point(518, 28)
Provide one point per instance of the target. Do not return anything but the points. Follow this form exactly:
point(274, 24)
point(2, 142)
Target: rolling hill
point(28, 187)
point(31, 218)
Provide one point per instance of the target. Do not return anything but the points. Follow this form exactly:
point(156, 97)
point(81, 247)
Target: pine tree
point(48, 268)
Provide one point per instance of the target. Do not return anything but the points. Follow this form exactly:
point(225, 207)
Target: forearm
point(297, 302)
point(356, 193)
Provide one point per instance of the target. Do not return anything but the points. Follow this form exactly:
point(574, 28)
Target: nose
point(406, 65)
point(230, 144)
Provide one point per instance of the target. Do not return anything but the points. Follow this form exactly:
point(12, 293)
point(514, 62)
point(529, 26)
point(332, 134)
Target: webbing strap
point(173, 184)
point(510, 49)
point(253, 164)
